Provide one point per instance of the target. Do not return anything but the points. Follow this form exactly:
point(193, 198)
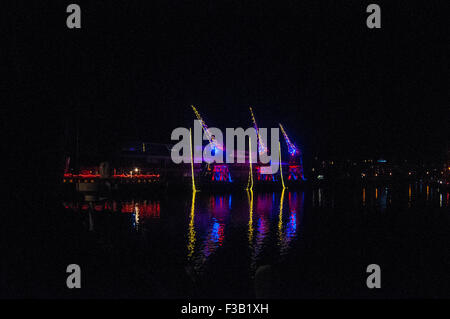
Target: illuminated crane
point(262, 149)
point(291, 147)
point(219, 172)
point(211, 139)
point(295, 167)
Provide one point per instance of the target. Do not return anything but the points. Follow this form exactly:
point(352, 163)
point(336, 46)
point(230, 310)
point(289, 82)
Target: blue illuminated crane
point(295, 159)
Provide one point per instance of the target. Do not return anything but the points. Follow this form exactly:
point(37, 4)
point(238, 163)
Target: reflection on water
point(382, 197)
point(249, 227)
point(250, 216)
point(143, 208)
point(280, 219)
point(206, 227)
point(288, 231)
point(139, 211)
point(263, 209)
point(270, 221)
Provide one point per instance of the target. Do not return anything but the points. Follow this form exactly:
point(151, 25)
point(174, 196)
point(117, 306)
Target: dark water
point(318, 242)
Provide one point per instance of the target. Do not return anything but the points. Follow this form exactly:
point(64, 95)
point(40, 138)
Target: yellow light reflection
point(191, 232)
point(364, 195)
point(280, 217)
point(250, 219)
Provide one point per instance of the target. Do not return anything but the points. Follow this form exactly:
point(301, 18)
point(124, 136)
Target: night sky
point(340, 89)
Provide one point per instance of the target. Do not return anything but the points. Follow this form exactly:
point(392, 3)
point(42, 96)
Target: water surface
point(318, 241)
